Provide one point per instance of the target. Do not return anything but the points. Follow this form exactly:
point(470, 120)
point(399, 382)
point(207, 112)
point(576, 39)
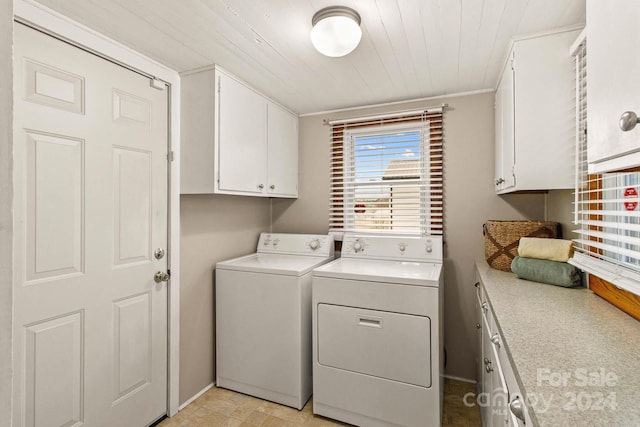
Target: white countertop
point(572, 351)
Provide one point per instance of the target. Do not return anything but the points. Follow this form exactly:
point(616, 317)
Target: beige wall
point(469, 201)
point(6, 196)
point(560, 209)
point(213, 228)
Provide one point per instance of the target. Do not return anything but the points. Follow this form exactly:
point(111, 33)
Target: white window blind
point(606, 211)
point(386, 174)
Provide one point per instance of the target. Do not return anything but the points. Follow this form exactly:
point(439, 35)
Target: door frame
point(53, 23)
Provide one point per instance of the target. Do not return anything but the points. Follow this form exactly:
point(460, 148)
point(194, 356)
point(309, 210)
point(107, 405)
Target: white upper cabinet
point(535, 115)
point(613, 64)
point(235, 140)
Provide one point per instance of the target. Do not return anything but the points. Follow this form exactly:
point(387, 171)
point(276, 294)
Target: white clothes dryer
point(263, 317)
point(377, 332)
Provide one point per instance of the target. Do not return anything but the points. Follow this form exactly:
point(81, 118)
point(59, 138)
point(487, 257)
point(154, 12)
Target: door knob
point(161, 276)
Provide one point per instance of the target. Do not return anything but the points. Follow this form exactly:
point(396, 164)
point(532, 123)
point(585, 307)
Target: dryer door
point(378, 343)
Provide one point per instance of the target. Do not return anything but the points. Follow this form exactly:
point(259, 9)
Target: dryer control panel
point(296, 244)
point(418, 249)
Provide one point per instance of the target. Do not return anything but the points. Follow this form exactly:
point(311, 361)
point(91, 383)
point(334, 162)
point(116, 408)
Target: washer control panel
point(419, 249)
point(296, 244)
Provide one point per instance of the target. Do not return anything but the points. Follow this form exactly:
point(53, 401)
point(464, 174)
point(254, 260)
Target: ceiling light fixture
point(336, 30)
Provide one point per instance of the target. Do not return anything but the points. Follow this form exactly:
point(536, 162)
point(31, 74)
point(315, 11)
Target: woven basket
point(501, 239)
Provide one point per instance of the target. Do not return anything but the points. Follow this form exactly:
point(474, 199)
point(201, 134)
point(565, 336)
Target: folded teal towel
point(545, 271)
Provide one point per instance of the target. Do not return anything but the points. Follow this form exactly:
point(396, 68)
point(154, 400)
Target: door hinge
point(170, 156)
point(157, 84)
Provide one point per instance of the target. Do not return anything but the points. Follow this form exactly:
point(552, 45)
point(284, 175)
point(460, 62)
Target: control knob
point(358, 246)
point(314, 244)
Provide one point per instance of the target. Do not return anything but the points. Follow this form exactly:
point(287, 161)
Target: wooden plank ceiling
point(410, 48)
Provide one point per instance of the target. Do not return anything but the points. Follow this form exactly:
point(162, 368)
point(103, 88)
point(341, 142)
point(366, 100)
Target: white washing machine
point(263, 317)
point(377, 332)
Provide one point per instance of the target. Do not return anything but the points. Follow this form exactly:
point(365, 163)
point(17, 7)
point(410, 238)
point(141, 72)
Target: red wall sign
point(631, 194)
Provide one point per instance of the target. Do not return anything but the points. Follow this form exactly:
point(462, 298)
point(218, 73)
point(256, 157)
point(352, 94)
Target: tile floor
point(220, 407)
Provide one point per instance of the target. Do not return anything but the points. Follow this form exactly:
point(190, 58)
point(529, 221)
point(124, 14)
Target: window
point(386, 174)
point(606, 211)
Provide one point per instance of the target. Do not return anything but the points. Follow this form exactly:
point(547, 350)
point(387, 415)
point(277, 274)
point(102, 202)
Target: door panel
point(53, 87)
point(132, 205)
point(90, 208)
point(132, 344)
point(54, 355)
point(55, 179)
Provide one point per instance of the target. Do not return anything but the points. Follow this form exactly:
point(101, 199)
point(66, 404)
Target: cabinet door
point(242, 138)
point(486, 396)
point(479, 331)
point(282, 168)
point(613, 37)
point(500, 414)
point(505, 137)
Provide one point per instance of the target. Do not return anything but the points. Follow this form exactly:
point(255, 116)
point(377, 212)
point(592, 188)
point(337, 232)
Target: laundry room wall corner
point(6, 220)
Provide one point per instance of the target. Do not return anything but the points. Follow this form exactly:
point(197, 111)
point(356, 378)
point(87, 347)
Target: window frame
point(430, 123)
point(348, 144)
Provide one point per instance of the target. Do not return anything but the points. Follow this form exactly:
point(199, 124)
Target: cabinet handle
point(485, 306)
point(478, 326)
point(496, 339)
point(261, 186)
point(477, 285)
point(273, 187)
point(499, 181)
point(488, 368)
point(517, 409)
point(628, 120)
point(486, 361)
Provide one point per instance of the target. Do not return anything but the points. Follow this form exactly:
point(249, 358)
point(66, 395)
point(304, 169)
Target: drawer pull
point(496, 339)
point(370, 321)
point(517, 409)
point(477, 285)
point(478, 326)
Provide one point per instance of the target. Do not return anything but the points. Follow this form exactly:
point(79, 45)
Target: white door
point(282, 157)
point(90, 200)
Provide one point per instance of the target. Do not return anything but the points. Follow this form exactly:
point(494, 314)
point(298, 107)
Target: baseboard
point(197, 395)
point(464, 380)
